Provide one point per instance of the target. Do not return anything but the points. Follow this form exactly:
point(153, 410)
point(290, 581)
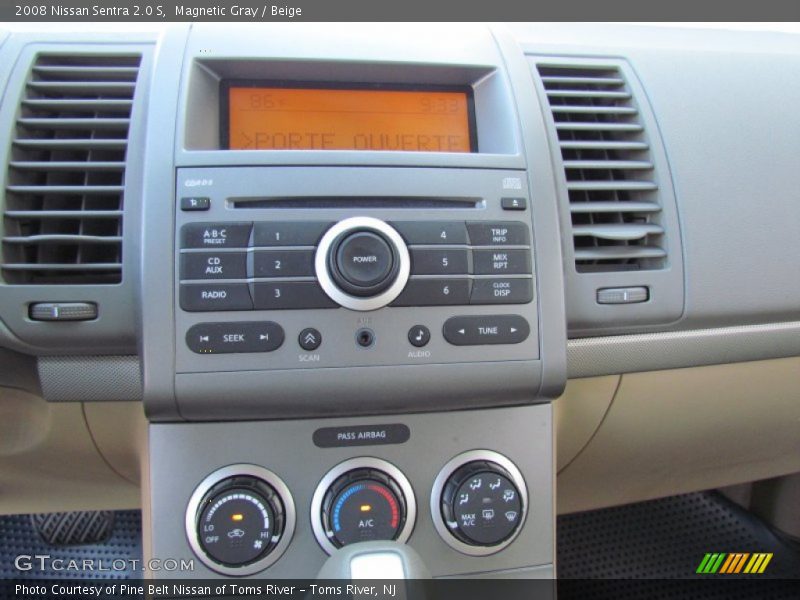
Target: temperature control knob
point(369, 501)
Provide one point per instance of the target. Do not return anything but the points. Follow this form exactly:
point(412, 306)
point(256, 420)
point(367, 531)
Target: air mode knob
point(362, 263)
point(479, 502)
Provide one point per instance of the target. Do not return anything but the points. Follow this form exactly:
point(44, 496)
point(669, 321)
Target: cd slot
point(395, 202)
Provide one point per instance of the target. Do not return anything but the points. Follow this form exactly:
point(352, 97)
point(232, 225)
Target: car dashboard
point(266, 281)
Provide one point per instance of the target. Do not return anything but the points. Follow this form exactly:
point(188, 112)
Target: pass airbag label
point(361, 435)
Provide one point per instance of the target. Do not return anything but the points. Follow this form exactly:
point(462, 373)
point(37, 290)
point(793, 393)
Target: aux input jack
point(365, 337)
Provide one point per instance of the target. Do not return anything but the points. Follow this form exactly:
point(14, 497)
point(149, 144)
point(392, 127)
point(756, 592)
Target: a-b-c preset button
point(215, 235)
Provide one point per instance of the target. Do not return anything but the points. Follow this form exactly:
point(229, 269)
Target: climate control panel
point(241, 518)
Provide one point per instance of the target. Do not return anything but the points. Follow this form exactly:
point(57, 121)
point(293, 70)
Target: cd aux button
point(214, 265)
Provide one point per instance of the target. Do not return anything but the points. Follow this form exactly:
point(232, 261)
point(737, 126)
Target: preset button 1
point(288, 233)
point(486, 329)
point(226, 338)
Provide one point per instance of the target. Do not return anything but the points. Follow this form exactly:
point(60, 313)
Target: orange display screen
point(285, 118)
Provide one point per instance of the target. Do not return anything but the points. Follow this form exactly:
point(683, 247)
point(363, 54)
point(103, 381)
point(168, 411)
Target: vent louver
point(610, 175)
point(66, 175)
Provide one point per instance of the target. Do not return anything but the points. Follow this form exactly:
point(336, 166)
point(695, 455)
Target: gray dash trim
point(90, 378)
point(609, 355)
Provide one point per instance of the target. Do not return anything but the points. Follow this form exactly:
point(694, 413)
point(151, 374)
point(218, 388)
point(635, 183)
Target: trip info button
point(486, 329)
point(226, 338)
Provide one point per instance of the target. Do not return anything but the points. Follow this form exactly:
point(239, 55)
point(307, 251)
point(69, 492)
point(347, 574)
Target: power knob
point(362, 263)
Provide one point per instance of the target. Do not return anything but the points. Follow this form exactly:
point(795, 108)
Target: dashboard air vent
point(610, 174)
point(66, 174)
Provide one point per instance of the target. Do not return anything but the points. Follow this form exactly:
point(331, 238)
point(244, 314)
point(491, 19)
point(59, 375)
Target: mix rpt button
point(225, 338)
point(486, 329)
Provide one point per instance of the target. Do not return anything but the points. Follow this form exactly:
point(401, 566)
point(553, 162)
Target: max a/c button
point(225, 338)
point(486, 329)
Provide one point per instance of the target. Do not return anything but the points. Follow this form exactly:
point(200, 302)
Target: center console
point(353, 337)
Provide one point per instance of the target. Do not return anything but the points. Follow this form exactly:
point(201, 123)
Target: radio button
point(433, 261)
point(486, 329)
point(214, 265)
point(502, 291)
point(434, 292)
point(290, 294)
point(288, 233)
point(432, 232)
point(501, 262)
point(498, 233)
point(215, 235)
point(283, 263)
point(225, 338)
point(201, 297)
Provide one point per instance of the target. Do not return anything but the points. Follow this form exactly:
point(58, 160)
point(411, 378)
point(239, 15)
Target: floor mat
point(117, 558)
point(666, 539)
